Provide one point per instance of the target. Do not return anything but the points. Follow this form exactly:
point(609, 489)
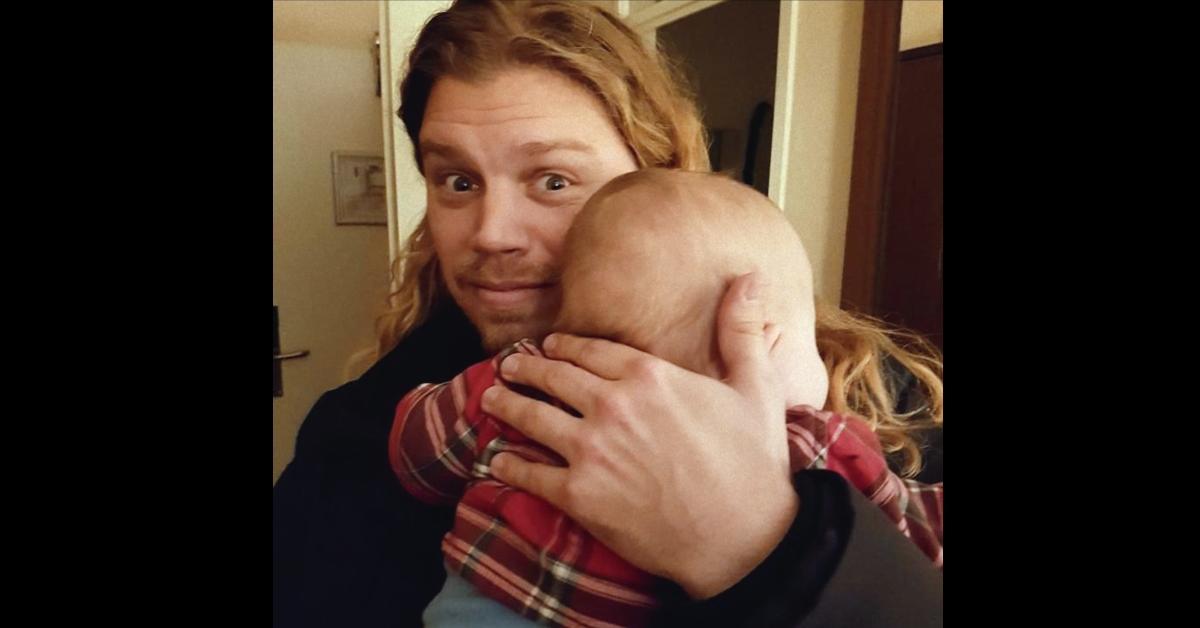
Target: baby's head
point(650, 255)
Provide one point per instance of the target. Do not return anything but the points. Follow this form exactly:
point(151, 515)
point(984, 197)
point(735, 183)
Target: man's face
point(508, 163)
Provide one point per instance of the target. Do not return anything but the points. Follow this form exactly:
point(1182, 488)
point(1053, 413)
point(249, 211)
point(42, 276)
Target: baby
point(646, 263)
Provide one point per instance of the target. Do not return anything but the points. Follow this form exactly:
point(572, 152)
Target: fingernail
point(549, 342)
point(509, 365)
point(489, 396)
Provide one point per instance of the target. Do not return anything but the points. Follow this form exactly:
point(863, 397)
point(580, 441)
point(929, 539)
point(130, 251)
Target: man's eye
point(553, 183)
point(458, 183)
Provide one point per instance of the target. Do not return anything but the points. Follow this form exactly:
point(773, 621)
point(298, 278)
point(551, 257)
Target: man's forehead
point(481, 114)
point(511, 95)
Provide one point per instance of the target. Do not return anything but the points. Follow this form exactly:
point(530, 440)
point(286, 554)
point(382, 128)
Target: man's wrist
point(782, 588)
point(712, 573)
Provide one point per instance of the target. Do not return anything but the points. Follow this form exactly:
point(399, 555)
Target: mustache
point(495, 269)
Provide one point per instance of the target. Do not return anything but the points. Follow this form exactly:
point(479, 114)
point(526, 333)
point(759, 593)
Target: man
point(518, 113)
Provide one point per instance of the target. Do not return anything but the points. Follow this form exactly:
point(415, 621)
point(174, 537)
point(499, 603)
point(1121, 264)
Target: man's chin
point(499, 334)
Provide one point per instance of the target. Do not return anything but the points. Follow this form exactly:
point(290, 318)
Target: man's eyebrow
point(539, 148)
point(530, 149)
point(442, 150)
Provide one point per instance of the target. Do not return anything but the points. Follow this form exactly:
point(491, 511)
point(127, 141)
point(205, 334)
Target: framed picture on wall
point(359, 189)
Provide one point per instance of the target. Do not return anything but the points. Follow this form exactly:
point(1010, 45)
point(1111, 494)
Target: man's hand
point(684, 476)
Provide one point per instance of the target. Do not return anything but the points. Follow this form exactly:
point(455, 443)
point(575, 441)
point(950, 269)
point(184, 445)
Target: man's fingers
point(545, 481)
point(607, 359)
point(538, 420)
point(566, 382)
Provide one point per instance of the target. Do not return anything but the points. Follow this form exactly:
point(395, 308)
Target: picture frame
point(359, 188)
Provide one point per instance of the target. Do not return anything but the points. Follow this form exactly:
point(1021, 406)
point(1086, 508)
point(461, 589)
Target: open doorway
point(729, 52)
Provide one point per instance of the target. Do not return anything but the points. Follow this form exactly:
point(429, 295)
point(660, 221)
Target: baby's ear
point(771, 335)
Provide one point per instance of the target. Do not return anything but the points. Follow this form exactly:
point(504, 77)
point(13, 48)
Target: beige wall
point(817, 196)
point(328, 281)
point(920, 23)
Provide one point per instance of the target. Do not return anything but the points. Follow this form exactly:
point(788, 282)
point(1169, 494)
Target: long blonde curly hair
point(655, 111)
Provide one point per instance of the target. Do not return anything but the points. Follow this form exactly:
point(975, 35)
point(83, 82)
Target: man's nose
point(502, 224)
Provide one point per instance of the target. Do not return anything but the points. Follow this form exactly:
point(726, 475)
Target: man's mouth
point(506, 293)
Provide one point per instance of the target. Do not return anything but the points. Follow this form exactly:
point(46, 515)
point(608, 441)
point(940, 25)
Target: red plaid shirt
point(521, 551)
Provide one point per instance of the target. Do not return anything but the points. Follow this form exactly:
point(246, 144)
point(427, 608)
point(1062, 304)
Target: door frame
point(874, 121)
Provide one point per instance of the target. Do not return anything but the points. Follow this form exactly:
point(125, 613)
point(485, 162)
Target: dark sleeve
point(842, 563)
point(350, 546)
point(881, 579)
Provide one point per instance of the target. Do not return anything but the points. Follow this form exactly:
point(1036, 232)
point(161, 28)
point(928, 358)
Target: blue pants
point(461, 604)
